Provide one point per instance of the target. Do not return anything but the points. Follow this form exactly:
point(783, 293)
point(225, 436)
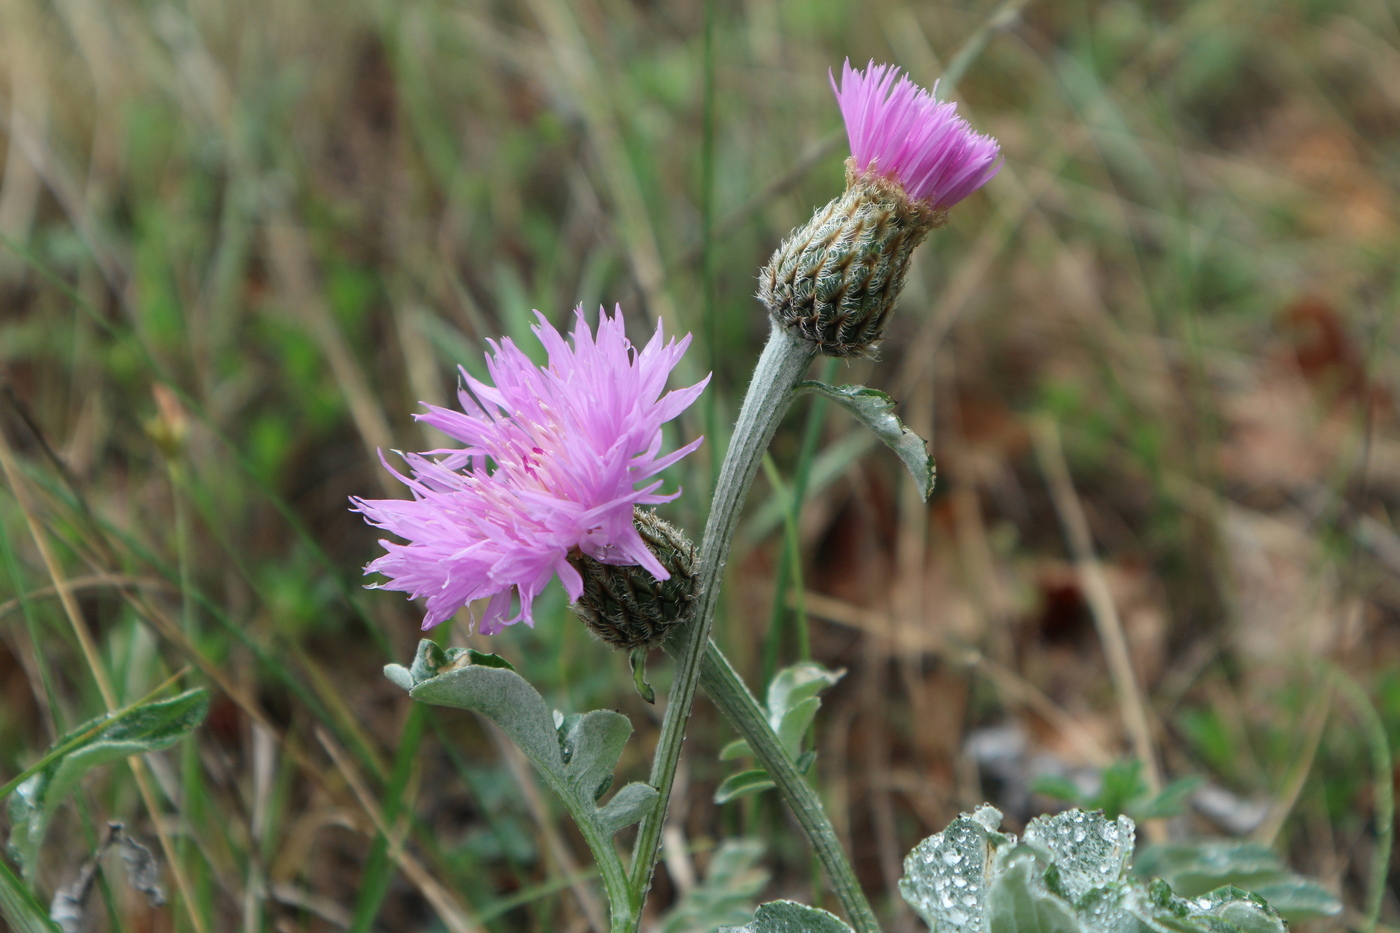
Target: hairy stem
point(784, 362)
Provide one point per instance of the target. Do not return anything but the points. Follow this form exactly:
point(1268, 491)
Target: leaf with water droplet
point(946, 876)
point(1019, 901)
point(1088, 849)
point(1200, 866)
point(790, 917)
point(875, 409)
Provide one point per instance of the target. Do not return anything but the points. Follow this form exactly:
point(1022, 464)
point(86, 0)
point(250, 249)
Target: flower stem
point(784, 362)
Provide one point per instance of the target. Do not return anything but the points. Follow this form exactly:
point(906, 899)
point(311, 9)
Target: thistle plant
point(554, 466)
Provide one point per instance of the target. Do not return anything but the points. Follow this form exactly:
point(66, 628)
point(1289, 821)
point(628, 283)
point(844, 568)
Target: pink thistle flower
point(552, 463)
point(897, 129)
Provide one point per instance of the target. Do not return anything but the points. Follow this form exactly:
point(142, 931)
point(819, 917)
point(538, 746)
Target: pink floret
point(900, 130)
point(552, 460)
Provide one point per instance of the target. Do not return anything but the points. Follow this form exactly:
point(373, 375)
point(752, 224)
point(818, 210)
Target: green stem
point(1373, 729)
point(738, 705)
point(623, 908)
point(784, 362)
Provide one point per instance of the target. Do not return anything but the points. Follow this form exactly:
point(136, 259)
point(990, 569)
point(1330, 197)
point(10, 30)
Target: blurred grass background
point(240, 242)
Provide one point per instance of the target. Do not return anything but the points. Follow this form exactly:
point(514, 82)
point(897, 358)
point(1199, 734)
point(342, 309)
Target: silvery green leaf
point(1195, 868)
point(504, 697)
point(796, 683)
point(1298, 898)
point(742, 784)
point(626, 807)
point(947, 876)
point(1019, 901)
point(1087, 849)
point(575, 755)
point(1069, 873)
point(399, 675)
point(875, 410)
point(793, 725)
point(1243, 911)
point(790, 917)
point(147, 728)
point(791, 705)
point(726, 896)
point(738, 748)
point(593, 745)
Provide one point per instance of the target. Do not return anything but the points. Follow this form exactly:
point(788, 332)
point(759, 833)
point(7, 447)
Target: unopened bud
point(626, 606)
point(835, 280)
point(170, 427)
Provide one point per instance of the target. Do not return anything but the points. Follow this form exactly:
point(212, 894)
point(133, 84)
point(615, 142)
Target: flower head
point(553, 461)
point(835, 279)
point(897, 129)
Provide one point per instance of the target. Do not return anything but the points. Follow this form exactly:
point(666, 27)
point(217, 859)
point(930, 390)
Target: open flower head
point(901, 131)
point(834, 280)
point(552, 462)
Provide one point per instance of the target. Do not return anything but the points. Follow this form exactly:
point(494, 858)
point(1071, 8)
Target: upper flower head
point(551, 464)
point(897, 129)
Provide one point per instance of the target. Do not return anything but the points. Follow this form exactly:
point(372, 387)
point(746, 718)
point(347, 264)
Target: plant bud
point(626, 606)
point(836, 279)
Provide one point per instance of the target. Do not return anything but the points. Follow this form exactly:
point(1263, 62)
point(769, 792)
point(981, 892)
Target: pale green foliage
point(575, 754)
point(1069, 873)
point(146, 728)
point(1194, 868)
point(790, 917)
point(875, 410)
point(731, 885)
point(791, 706)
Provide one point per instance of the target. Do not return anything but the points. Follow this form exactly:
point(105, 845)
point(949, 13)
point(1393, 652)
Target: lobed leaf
point(576, 755)
point(1069, 873)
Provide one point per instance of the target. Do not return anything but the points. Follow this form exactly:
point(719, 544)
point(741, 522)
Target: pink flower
point(551, 463)
point(898, 129)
